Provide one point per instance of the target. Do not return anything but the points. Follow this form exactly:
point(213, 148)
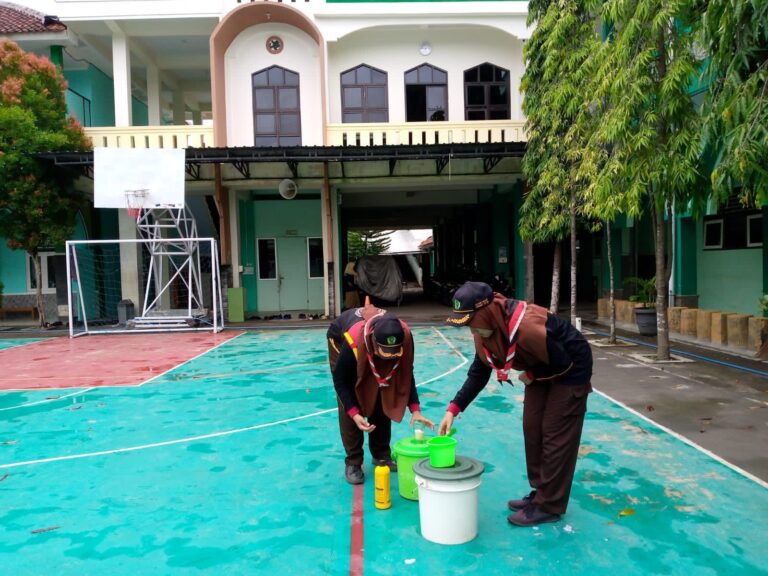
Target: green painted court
point(231, 463)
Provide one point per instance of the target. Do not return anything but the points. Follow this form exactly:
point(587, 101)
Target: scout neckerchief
point(383, 382)
point(502, 374)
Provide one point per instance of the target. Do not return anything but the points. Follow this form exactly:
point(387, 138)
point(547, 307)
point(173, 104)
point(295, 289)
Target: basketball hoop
point(134, 200)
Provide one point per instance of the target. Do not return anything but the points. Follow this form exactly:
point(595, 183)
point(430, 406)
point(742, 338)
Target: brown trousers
point(553, 417)
point(352, 438)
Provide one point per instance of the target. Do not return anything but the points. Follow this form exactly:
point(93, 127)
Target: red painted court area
point(101, 360)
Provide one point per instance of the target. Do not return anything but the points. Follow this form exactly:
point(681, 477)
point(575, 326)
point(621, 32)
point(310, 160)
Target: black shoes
point(354, 474)
point(389, 463)
point(522, 502)
point(531, 515)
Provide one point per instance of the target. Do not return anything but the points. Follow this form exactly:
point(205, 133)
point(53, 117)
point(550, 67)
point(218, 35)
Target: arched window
point(426, 94)
point(276, 107)
point(486, 93)
point(364, 95)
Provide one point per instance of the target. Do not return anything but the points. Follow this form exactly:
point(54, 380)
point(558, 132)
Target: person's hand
point(445, 424)
point(524, 378)
point(417, 417)
point(362, 423)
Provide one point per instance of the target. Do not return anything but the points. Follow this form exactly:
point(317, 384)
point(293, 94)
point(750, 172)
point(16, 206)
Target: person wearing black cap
point(557, 364)
point(373, 378)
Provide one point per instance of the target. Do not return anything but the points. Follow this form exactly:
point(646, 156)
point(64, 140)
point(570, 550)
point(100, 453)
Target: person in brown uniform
point(557, 360)
point(373, 378)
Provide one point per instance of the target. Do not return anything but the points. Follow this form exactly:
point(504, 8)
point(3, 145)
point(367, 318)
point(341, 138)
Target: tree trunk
point(611, 300)
point(39, 282)
point(528, 271)
point(662, 282)
point(557, 260)
point(573, 259)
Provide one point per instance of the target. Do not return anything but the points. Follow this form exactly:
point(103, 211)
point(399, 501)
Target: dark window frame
point(735, 228)
point(707, 223)
point(364, 110)
point(750, 242)
point(258, 258)
point(444, 86)
point(309, 259)
point(487, 85)
point(278, 134)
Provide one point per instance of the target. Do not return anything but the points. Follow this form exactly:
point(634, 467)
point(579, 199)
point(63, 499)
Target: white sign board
point(159, 171)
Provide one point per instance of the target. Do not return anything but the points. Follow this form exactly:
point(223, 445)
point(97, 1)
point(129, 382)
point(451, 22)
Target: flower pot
point(646, 321)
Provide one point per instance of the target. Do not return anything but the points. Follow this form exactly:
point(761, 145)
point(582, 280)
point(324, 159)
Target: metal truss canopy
point(242, 157)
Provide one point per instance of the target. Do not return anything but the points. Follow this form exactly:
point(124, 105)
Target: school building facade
point(383, 115)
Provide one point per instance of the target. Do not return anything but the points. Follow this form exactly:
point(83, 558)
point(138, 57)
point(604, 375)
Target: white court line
point(452, 370)
point(203, 353)
point(27, 404)
point(251, 372)
point(166, 443)
point(685, 440)
point(212, 434)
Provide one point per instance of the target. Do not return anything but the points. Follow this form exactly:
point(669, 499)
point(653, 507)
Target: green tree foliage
point(554, 82)
point(37, 204)
point(736, 127)
point(645, 146)
point(367, 242)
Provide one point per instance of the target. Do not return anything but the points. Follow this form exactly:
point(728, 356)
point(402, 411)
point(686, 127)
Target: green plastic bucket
point(406, 453)
point(442, 451)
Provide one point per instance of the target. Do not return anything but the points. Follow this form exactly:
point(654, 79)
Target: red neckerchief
point(502, 374)
point(383, 382)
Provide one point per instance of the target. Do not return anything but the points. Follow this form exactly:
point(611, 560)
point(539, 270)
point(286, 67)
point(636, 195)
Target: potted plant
point(646, 295)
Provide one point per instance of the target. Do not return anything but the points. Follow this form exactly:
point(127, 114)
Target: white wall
point(248, 54)
point(454, 49)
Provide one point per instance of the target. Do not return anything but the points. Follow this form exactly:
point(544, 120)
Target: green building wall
point(729, 280)
point(248, 254)
point(98, 88)
point(13, 269)
point(267, 218)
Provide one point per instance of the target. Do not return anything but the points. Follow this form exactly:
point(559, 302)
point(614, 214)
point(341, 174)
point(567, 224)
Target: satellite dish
point(288, 189)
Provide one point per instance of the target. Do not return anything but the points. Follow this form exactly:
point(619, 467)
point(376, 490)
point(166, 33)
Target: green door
point(293, 273)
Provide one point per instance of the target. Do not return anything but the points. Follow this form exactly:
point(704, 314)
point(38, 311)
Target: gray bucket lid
point(464, 469)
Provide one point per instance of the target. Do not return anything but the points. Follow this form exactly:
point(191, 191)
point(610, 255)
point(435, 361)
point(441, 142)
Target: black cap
point(468, 299)
point(388, 333)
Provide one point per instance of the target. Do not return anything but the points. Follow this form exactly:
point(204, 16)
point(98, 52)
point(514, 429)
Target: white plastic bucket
point(448, 509)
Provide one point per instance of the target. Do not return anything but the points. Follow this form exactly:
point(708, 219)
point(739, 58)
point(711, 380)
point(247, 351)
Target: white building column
point(153, 95)
point(121, 72)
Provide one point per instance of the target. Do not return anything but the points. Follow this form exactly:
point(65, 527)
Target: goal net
point(167, 284)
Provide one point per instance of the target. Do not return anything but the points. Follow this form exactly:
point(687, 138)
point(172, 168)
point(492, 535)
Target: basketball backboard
point(159, 171)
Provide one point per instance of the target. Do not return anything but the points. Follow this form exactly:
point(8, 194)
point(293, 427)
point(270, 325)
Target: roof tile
point(15, 19)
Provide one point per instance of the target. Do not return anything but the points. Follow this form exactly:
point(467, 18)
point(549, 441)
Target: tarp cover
point(380, 277)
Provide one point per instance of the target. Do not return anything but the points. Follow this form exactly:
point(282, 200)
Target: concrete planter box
point(688, 321)
point(704, 325)
point(719, 332)
point(675, 314)
point(757, 330)
point(738, 327)
point(603, 308)
point(625, 311)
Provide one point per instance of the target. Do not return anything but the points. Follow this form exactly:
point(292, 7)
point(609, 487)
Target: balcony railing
point(369, 134)
point(152, 137)
point(415, 133)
